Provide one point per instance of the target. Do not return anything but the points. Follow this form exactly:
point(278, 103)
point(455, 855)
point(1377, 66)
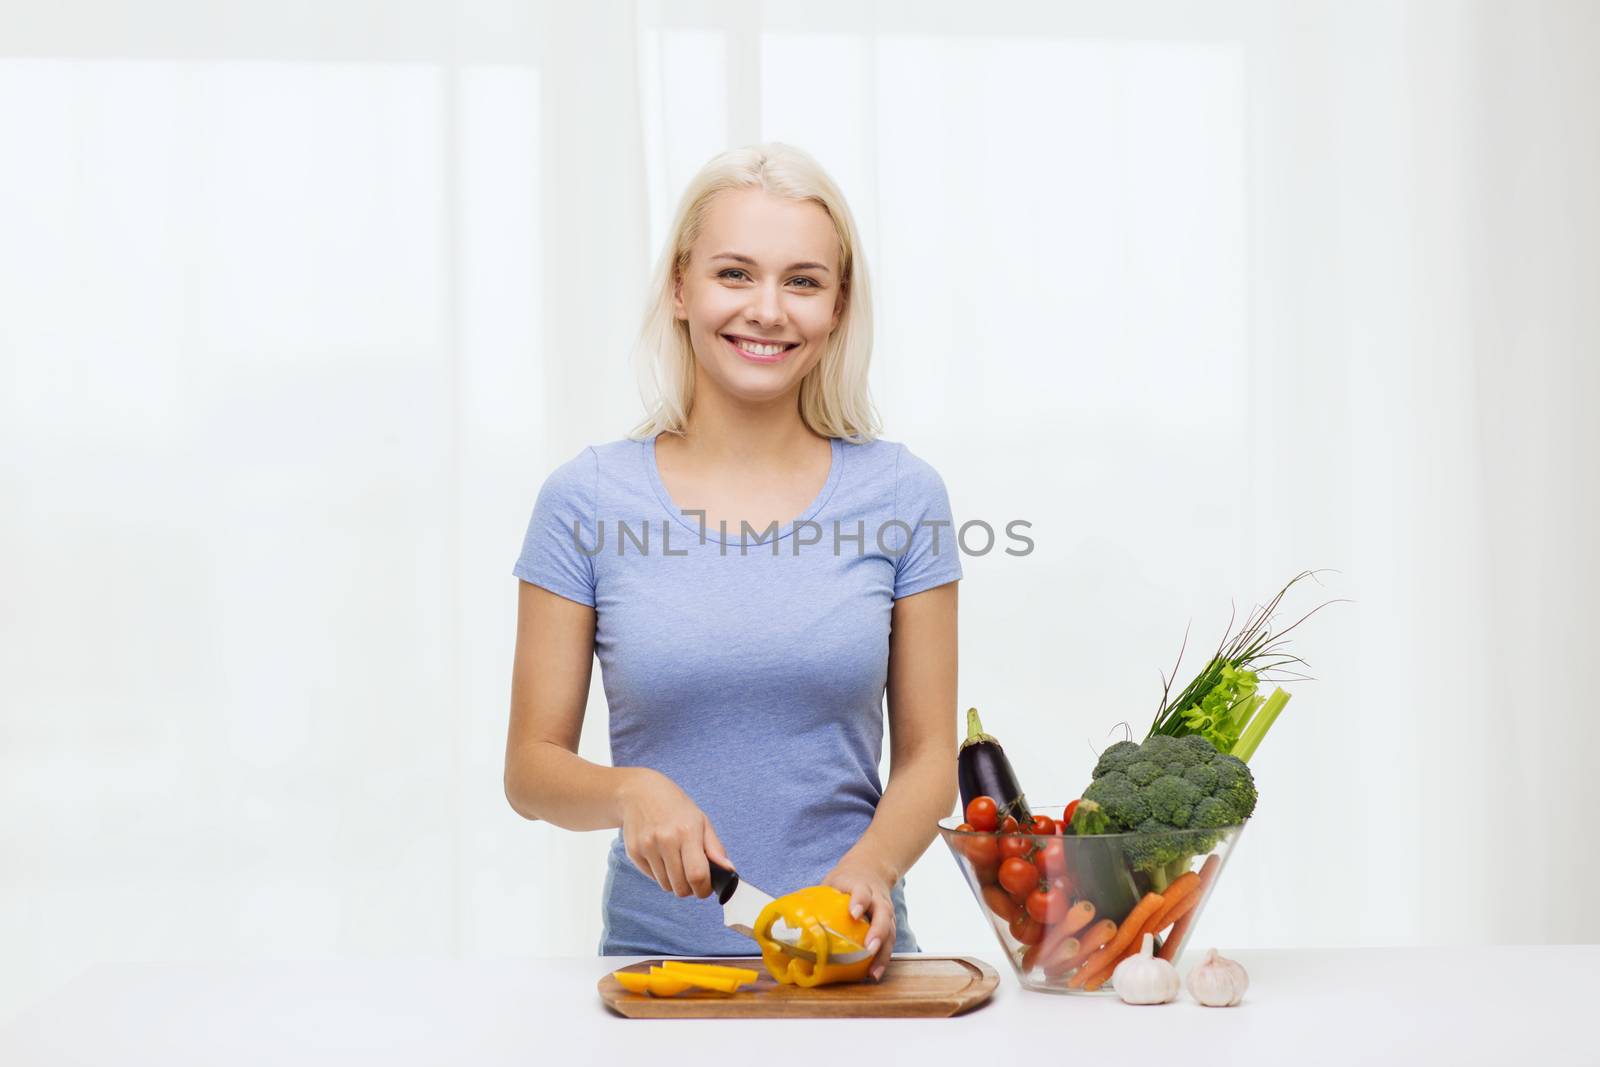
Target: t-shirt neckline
point(692, 523)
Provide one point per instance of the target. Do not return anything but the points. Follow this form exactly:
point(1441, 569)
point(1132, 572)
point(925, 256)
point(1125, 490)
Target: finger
point(881, 930)
point(674, 864)
point(657, 870)
point(860, 900)
point(640, 860)
point(697, 869)
point(880, 963)
point(714, 847)
point(881, 936)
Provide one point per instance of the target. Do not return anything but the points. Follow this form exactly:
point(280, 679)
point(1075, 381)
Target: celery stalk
point(1260, 724)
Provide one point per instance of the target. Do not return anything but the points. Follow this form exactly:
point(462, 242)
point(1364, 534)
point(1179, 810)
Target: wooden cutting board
point(913, 986)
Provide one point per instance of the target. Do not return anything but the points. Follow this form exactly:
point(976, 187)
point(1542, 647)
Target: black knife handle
point(723, 881)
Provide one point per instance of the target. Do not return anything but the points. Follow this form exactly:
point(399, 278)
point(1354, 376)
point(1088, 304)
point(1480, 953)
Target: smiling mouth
point(765, 352)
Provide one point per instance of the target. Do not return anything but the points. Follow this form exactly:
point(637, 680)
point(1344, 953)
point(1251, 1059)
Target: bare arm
point(922, 731)
point(665, 834)
point(922, 754)
point(545, 777)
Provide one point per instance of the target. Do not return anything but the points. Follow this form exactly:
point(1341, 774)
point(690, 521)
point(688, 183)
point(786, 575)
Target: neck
point(764, 434)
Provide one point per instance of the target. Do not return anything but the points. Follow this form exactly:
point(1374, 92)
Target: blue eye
point(799, 278)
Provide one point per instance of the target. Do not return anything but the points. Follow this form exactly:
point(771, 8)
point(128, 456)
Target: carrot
point(1069, 944)
point(1105, 973)
point(1132, 925)
point(1180, 928)
point(1063, 960)
point(1176, 894)
point(1097, 936)
point(1184, 907)
point(1076, 919)
point(1080, 915)
point(1174, 909)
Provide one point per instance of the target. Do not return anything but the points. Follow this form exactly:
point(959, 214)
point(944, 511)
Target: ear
point(677, 295)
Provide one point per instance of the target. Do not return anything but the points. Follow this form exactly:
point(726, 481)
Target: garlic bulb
point(1144, 979)
point(1218, 982)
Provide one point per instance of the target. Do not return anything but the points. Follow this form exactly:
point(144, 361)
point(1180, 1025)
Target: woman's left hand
point(870, 889)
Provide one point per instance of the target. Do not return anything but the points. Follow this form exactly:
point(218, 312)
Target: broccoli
point(1159, 848)
point(1235, 784)
point(1172, 800)
point(1122, 800)
point(1089, 818)
point(1116, 758)
point(1204, 776)
point(1144, 772)
point(1178, 793)
point(1212, 813)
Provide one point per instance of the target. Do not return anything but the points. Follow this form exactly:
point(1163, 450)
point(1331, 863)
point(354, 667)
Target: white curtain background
point(300, 302)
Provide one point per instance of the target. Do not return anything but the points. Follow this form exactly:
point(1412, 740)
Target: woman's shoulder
point(894, 460)
point(600, 474)
point(591, 459)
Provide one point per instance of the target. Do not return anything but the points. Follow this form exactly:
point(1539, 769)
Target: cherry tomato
point(983, 850)
point(982, 813)
point(1009, 825)
point(1066, 814)
point(1047, 906)
point(1051, 859)
point(965, 828)
point(1018, 876)
point(1001, 904)
point(1027, 930)
point(1044, 824)
point(1014, 845)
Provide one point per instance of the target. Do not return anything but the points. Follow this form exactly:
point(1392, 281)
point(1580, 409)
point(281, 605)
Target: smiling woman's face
point(765, 269)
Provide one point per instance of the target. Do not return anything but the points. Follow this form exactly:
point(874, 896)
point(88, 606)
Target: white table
point(1444, 1006)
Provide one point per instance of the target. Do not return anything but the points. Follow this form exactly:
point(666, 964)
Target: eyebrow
point(737, 258)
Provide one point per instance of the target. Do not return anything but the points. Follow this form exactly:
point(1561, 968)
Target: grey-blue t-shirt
point(747, 666)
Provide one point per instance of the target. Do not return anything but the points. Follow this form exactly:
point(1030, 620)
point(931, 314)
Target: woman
point(754, 568)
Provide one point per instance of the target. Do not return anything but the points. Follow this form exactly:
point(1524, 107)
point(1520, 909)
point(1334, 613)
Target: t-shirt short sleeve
point(561, 528)
point(932, 556)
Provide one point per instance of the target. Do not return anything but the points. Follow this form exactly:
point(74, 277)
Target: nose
point(765, 306)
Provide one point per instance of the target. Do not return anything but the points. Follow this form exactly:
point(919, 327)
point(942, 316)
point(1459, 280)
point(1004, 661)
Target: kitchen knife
point(742, 904)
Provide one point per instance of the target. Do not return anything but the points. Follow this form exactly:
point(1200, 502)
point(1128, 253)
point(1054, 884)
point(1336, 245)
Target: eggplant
point(983, 771)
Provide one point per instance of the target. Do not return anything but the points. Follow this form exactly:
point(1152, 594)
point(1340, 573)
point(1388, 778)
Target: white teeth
point(760, 350)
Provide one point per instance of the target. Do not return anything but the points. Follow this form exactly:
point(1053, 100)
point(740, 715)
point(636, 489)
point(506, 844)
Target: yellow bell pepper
point(809, 910)
point(660, 985)
point(675, 976)
point(743, 975)
point(695, 978)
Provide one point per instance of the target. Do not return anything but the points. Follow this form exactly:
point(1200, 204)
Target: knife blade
point(742, 904)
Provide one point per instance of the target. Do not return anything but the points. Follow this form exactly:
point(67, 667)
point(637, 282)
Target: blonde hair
point(834, 396)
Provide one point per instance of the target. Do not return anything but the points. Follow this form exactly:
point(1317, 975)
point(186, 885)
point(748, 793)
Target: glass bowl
point(1079, 882)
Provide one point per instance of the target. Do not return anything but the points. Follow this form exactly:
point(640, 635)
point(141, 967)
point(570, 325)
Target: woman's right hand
point(666, 834)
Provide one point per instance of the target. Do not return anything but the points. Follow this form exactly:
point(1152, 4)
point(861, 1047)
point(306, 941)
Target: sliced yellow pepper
point(675, 977)
point(660, 985)
point(809, 910)
point(694, 978)
point(743, 974)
